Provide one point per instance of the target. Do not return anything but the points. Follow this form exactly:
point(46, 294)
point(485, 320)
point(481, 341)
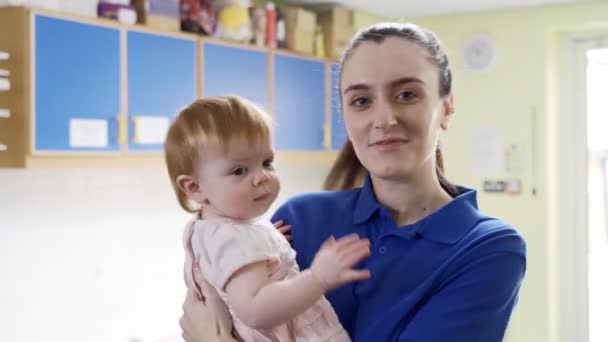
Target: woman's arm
point(474, 305)
point(206, 317)
point(262, 303)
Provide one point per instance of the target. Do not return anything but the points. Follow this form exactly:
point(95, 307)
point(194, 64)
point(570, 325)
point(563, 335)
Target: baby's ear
point(188, 185)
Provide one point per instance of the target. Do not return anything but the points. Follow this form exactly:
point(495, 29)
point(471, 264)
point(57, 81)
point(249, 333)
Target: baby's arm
point(262, 303)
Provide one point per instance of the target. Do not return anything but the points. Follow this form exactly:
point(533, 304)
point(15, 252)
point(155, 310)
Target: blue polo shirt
point(453, 276)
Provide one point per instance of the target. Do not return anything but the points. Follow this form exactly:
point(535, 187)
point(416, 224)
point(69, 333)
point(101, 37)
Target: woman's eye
point(268, 164)
point(359, 102)
point(239, 171)
point(406, 95)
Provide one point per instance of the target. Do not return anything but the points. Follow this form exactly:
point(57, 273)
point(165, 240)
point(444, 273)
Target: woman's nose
point(384, 115)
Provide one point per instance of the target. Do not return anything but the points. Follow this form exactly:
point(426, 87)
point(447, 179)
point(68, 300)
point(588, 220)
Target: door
point(299, 103)
point(230, 70)
point(161, 80)
point(77, 86)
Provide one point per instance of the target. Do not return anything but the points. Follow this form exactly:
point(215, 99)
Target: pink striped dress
point(224, 246)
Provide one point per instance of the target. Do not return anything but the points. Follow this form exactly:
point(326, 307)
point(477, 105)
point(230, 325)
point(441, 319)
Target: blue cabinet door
point(161, 81)
point(229, 70)
point(299, 103)
point(77, 86)
point(338, 131)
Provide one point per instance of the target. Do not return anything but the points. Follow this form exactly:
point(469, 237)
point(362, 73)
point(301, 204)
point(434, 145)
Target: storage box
point(125, 14)
point(197, 16)
point(300, 26)
point(159, 14)
point(338, 29)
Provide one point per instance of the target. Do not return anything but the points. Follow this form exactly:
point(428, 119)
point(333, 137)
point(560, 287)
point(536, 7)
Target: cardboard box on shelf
point(300, 25)
point(159, 14)
point(338, 29)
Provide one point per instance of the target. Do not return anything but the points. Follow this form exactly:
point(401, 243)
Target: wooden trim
point(229, 43)
point(327, 127)
point(116, 160)
point(156, 159)
point(29, 70)
point(151, 30)
point(290, 53)
point(124, 88)
point(270, 84)
point(14, 40)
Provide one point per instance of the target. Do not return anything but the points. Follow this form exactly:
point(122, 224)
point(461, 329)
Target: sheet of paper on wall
point(91, 133)
point(487, 154)
point(5, 84)
point(514, 159)
point(151, 129)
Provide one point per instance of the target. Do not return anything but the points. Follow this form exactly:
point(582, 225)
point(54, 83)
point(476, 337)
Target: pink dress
point(224, 246)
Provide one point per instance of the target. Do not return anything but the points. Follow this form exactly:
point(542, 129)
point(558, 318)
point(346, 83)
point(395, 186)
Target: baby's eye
point(268, 164)
point(239, 171)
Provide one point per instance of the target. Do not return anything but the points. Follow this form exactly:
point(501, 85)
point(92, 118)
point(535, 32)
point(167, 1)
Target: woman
point(440, 270)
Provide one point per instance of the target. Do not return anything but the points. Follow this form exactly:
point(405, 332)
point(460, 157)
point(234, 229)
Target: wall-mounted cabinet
point(89, 88)
point(161, 78)
point(76, 83)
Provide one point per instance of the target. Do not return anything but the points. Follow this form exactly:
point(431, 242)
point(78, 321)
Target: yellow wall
point(523, 81)
point(364, 19)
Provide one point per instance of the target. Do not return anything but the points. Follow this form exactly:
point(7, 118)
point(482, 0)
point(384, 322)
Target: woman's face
point(392, 109)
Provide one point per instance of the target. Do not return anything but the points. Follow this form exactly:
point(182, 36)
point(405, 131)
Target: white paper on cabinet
point(151, 129)
point(486, 150)
point(89, 133)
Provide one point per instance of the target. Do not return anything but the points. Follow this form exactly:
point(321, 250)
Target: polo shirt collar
point(446, 225)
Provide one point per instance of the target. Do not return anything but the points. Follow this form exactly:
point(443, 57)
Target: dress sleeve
point(229, 247)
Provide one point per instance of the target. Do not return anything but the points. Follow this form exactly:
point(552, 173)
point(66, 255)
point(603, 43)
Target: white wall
point(95, 254)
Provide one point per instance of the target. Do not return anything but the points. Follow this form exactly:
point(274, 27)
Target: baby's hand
point(283, 229)
point(333, 264)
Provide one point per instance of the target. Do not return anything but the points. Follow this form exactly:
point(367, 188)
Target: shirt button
point(382, 250)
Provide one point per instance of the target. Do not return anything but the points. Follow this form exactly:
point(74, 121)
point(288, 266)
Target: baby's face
point(238, 183)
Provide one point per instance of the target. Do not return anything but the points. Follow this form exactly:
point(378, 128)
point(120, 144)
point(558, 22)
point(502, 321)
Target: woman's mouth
point(388, 143)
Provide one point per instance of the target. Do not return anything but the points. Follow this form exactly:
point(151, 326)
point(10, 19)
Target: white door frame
point(573, 177)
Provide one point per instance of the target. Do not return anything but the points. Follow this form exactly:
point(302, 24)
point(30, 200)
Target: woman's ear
point(189, 186)
point(448, 112)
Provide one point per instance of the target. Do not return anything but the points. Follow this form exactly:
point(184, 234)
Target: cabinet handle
point(122, 130)
point(326, 136)
point(135, 121)
point(118, 130)
point(3, 147)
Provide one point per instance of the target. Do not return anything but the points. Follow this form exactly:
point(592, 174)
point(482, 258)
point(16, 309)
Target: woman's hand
point(284, 229)
point(206, 317)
